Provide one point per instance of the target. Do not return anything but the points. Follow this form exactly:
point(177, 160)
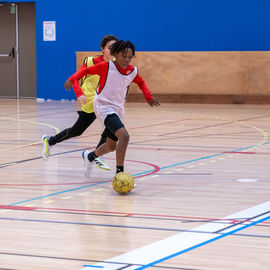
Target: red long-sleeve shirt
point(102, 69)
point(76, 87)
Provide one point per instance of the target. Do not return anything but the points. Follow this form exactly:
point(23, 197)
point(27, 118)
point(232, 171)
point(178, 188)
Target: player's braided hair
point(122, 46)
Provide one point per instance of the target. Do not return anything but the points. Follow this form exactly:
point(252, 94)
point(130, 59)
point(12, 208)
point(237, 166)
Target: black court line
point(133, 216)
point(3, 165)
point(39, 114)
point(216, 125)
point(242, 221)
point(124, 226)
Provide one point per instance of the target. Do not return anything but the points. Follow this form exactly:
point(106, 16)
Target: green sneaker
point(46, 147)
point(99, 162)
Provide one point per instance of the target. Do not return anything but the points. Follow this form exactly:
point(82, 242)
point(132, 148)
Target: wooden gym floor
point(202, 200)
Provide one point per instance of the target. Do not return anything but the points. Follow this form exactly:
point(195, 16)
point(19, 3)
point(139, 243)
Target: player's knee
point(124, 137)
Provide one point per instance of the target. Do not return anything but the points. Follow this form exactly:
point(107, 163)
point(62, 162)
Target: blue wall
point(153, 25)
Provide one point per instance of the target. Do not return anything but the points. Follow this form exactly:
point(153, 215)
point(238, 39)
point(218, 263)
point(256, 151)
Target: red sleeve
point(76, 86)
point(77, 89)
point(98, 59)
point(142, 85)
point(83, 66)
point(100, 69)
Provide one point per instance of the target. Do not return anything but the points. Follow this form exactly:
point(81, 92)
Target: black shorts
point(112, 124)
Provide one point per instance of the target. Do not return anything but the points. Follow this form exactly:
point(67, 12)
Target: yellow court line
point(50, 201)
point(31, 122)
point(83, 193)
point(67, 197)
point(4, 211)
point(240, 122)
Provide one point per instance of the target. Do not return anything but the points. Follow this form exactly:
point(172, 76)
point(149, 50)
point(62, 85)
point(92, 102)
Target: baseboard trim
point(204, 99)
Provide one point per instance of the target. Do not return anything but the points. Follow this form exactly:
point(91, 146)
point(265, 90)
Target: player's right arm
point(100, 69)
point(67, 87)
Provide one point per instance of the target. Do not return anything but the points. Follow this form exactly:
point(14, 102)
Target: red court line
point(232, 221)
point(17, 207)
point(156, 169)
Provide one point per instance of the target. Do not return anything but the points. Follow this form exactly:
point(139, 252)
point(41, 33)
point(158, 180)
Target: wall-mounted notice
point(49, 31)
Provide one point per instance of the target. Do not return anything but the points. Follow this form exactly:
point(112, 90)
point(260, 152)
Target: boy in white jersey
point(115, 78)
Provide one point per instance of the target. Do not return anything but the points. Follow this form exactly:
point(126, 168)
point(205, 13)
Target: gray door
point(18, 31)
point(8, 86)
point(27, 50)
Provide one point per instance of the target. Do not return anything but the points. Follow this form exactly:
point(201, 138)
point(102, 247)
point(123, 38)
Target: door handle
point(11, 54)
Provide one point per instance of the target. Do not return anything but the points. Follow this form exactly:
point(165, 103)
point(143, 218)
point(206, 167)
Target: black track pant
point(82, 123)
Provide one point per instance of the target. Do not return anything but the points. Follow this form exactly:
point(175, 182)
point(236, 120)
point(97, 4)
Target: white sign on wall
point(49, 31)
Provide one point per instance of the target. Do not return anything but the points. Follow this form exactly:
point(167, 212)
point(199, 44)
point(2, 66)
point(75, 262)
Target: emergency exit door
point(8, 75)
point(17, 50)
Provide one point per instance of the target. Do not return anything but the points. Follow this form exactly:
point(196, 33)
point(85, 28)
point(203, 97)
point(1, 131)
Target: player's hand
point(82, 99)
point(153, 102)
point(68, 84)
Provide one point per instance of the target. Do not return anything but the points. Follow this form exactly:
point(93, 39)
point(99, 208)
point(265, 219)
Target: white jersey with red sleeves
point(111, 98)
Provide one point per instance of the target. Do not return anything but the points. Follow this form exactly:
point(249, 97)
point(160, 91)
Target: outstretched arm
point(77, 90)
point(68, 84)
point(152, 101)
point(99, 69)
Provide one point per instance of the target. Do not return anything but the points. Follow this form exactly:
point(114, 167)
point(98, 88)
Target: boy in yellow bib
point(85, 95)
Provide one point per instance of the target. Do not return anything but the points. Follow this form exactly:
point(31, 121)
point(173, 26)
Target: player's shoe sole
point(88, 166)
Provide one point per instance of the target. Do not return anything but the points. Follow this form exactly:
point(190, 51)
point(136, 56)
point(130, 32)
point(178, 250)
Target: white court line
point(171, 246)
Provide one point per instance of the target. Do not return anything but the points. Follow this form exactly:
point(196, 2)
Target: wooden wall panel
point(259, 73)
point(231, 76)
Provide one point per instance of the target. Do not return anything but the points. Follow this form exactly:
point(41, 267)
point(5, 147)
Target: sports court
point(201, 201)
point(200, 160)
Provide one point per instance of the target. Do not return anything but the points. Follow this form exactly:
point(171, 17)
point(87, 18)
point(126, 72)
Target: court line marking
point(53, 221)
point(173, 246)
point(145, 173)
point(182, 219)
point(31, 122)
point(156, 169)
point(57, 130)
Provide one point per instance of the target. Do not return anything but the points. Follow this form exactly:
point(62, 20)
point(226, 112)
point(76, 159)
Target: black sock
point(119, 169)
point(91, 156)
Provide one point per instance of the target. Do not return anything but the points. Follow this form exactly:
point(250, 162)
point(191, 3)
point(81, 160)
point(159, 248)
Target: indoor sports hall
point(200, 160)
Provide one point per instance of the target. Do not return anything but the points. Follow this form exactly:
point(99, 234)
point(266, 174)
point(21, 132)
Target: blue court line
point(57, 193)
point(145, 172)
point(197, 159)
point(202, 244)
point(211, 156)
point(93, 266)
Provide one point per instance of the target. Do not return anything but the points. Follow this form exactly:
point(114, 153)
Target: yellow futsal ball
point(123, 182)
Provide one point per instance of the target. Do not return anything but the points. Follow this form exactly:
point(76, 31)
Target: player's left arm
point(152, 101)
